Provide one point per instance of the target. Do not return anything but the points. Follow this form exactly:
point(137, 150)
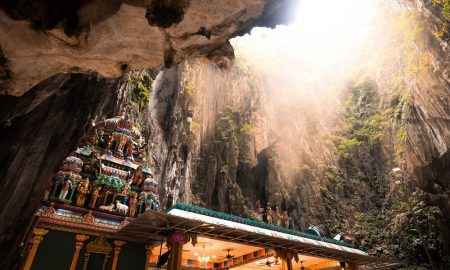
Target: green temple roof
point(250, 222)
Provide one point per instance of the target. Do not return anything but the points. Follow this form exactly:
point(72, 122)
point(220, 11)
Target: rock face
point(39, 39)
point(37, 131)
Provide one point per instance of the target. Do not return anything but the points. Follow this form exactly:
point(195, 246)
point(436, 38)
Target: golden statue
point(83, 189)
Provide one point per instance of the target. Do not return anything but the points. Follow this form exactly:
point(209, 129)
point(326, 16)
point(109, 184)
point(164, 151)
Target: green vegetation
point(364, 126)
point(225, 169)
point(414, 234)
point(246, 128)
point(196, 125)
point(444, 5)
point(142, 88)
point(109, 182)
point(228, 127)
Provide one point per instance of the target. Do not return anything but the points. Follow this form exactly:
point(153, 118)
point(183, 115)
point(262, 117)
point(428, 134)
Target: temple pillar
point(117, 248)
point(286, 264)
point(176, 241)
point(148, 254)
point(35, 242)
point(175, 256)
point(78, 246)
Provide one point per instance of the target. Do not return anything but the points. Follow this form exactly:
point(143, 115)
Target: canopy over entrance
point(248, 234)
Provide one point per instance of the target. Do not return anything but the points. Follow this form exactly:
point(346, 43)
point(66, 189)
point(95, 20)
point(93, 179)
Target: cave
point(266, 134)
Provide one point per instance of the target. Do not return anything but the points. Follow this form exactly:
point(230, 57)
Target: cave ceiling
point(40, 38)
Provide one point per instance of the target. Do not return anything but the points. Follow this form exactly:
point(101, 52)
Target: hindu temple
point(102, 210)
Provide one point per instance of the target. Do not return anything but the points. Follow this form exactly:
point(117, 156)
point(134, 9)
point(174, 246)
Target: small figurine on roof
point(286, 219)
point(278, 216)
point(269, 214)
point(259, 211)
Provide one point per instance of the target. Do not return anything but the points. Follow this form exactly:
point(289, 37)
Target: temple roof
point(254, 223)
point(215, 225)
point(121, 125)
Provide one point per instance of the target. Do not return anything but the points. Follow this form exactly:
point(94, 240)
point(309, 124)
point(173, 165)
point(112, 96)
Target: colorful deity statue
point(136, 179)
point(277, 216)
point(82, 191)
point(133, 203)
point(120, 144)
point(259, 211)
point(108, 142)
point(93, 165)
point(67, 185)
point(148, 199)
point(129, 150)
point(94, 197)
point(125, 192)
point(286, 219)
point(269, 214)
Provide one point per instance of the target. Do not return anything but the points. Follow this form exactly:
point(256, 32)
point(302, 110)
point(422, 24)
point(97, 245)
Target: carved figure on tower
point(82, 191)
point(136, 179)
point(94, 197)
point(130, 150)
point(133, 202)
point(121, 141)
point(93, 165)
point(66, 186)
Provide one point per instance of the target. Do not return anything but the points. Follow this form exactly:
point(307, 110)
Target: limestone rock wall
point(39, 39)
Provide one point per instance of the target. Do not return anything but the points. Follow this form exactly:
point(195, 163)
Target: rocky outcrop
point(37, 131)
point(42, 38)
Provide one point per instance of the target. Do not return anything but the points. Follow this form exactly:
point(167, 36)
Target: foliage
point(246, 128)
point(142, 83)
point(196, 124)
point(414, 235)
point(113, 183)
point(445, 5)
point(364, 126)
point(225, 169)
point(445, 11)
point(228, 127)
